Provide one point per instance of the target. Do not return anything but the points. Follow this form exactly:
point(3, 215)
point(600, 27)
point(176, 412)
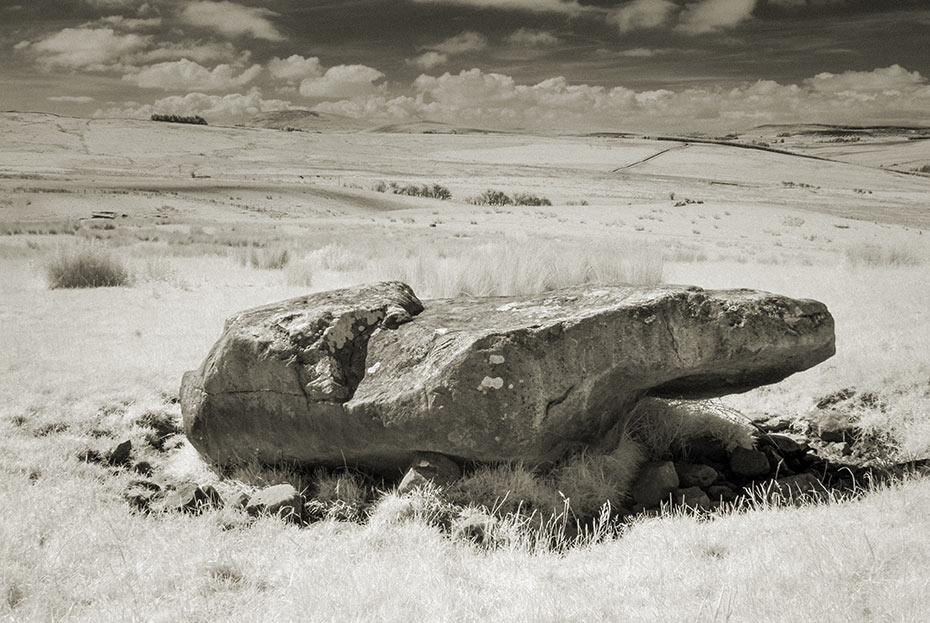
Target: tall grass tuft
point(265, 258)
point(86, 266)
point(867, 254)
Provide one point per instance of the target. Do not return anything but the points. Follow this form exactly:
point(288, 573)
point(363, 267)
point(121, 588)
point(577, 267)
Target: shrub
point(429, 191)
point(492, 197)
point(529, 199)
point(87, 266)
point(193, 119)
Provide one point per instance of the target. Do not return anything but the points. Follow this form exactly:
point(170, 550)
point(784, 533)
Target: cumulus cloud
point(429, 59)
point(888, 80)
point(185, 74)
point(129, 23)
point(71, 99)
point(214, 107)
point(571, 7)
point(196, 51)
point(530, 38)
point(496, 100)
point(439, 53)
point(85, 48)
point(643, 14)
point(646, 52)
point(709, 16)
point(231, 19)
point(295, 68)
point(342, 81)
point(462, 43)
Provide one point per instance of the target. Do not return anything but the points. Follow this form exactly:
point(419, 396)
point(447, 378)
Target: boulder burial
point(369, 376)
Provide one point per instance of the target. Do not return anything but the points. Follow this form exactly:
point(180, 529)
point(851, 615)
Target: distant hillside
point(306, 121)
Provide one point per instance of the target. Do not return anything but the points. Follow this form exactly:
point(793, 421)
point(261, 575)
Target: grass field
point(88, 367)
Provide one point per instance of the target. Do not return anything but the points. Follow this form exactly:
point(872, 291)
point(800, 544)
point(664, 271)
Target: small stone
point(144, 468)
point(140, 494)
point(429, 467)
point(89, 455)
point(840, 448)
point(692, 497)
point(706, 449)
point(654, 483)
point(722, 492)
point(695, 475)
point(790, 446)
point(478, 528)
point(193, 499)
point(238, 501)
point(119, 455)
point(749, 463)
point(832, 426)
point(280, 500)
point(776, 424)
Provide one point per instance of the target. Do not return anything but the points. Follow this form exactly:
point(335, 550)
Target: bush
point(529, 199)
point(194, 119)
point(87, 266)
point(429, 191)
point(492, 197)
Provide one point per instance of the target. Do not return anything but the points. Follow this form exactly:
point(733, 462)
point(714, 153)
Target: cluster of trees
point(498, 198)
point(194, 119)
point(430, 191)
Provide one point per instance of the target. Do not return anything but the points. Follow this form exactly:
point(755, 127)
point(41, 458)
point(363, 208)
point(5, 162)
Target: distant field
point(212, 220)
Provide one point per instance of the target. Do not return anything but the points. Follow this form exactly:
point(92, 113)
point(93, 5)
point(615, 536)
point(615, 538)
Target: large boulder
point(367, 377)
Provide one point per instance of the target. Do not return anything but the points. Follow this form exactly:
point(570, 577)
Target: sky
point(539, 65)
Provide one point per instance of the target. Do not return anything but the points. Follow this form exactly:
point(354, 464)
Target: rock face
point(367, 377)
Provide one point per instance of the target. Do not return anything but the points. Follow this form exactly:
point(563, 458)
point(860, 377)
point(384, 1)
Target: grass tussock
point(878, 255)
point(494, 269)
point(274, 257)
point(665, 427)
point(86, 266)
point(504, 270)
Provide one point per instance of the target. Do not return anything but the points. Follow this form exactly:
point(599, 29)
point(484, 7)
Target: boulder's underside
point(369, 376)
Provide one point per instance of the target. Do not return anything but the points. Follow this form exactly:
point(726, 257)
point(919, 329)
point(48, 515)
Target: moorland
point(206, 221)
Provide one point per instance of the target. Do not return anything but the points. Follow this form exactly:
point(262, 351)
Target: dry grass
point(71, 549)
point(86, 266)
point(868, 254)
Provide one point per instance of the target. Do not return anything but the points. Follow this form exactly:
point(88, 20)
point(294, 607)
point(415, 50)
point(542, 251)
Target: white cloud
point(128, 23)
point(231, 19)
point(461, 43)
point(530, 38)
point(110, 4)
point(707, 16)
point(295, 68)
point(885, 95)
point(185, 74)
point(196, 51)
point(571, 7)
point(888, 79)
point(86, 48)
point(643, 14)
point(439, 53)
point(71, 99)
point(646, 52)
point(429, 59)
point(342, 81)
point(216, 108)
